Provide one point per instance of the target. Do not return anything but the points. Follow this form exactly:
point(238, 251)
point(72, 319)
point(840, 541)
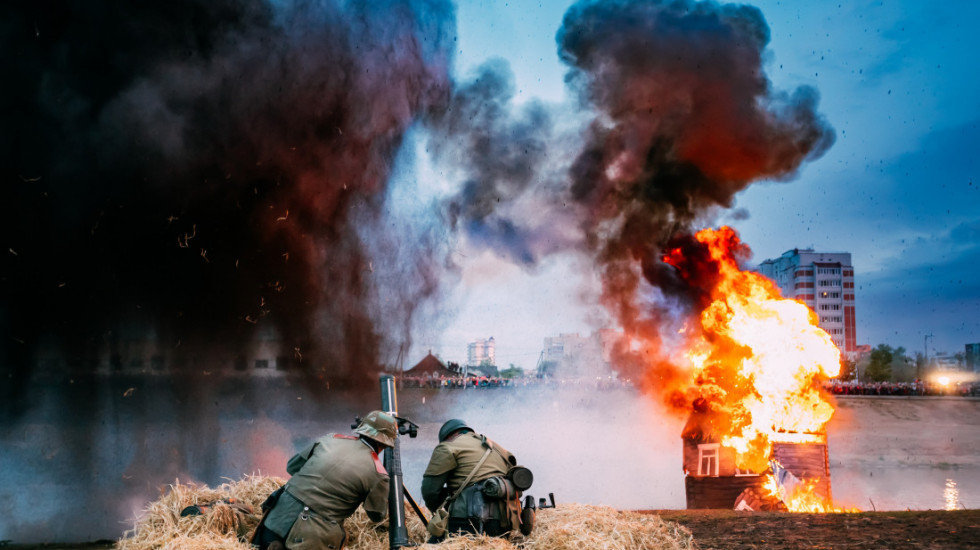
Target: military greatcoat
point(330, 479)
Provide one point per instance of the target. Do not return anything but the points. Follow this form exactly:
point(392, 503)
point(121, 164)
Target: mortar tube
point(397, 532)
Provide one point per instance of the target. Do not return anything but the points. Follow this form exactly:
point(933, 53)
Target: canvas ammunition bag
point(438, 523)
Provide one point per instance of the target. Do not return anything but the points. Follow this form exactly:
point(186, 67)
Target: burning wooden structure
point(713, 480)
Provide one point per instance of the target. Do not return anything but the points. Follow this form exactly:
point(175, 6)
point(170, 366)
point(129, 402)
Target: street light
point(925, 350)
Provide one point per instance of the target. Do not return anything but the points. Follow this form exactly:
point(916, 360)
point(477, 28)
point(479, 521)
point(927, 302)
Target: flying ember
point(756, 363)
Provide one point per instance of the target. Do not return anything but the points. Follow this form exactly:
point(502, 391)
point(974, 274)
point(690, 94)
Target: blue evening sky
point(899, 190)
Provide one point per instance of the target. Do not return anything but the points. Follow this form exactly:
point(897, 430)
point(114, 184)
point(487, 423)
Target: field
point(729, 530)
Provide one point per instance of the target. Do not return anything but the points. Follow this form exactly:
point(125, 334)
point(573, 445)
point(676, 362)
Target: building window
point(739, 472)
point(708, 459)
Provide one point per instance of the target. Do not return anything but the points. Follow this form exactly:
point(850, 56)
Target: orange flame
point(804, 498)
point(758, 361)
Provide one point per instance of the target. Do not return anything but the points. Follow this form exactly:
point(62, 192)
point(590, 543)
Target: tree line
point(889, 364)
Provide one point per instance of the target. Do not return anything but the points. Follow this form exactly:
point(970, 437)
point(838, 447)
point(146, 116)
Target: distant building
point(574, 356)
point(480, 351)
point(944, 361)
point(824, 281)
point(430, 365)
point(973, 357)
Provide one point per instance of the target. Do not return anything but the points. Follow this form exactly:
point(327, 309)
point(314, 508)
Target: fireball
point(758, 360)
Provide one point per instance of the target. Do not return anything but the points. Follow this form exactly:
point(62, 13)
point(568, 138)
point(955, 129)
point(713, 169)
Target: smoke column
point(190, 171)
point(185, 183)
point(686, 119)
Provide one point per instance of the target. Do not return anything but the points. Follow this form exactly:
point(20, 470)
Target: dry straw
point(567, 527)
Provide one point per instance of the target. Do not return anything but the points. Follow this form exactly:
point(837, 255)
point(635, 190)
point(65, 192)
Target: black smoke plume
point(184, 174)
point(686, 120)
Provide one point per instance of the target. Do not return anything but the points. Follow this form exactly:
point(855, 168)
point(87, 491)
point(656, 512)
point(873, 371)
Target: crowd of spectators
point(454, 382)
point(837, 387)
point(918, 387)
point(480, 382)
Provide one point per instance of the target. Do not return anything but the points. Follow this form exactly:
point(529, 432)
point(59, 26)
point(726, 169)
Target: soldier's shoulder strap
point(489, 444)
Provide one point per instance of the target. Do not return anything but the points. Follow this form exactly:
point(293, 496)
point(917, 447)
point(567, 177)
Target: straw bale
point(160, 526)
point(567, 527)
point(573, 526)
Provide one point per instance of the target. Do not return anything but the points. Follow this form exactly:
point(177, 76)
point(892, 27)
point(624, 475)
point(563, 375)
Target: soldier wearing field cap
point(331, 477)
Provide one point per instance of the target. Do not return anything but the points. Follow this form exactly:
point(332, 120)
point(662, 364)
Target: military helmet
point(451, 426)
point(379, 426)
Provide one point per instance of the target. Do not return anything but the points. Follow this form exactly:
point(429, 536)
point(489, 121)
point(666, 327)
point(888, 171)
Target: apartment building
point(824, 281)
point(480, 351)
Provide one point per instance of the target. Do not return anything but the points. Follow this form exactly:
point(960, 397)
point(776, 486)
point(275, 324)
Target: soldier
point(462, 465)
point(330, 479)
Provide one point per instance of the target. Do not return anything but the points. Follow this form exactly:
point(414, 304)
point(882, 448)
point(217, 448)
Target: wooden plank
point(717, 492)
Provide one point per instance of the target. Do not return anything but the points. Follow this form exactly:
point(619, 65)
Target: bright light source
point(943, 380)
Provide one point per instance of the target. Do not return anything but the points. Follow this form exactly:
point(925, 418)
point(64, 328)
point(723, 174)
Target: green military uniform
point(331, 478)
point(451, 463)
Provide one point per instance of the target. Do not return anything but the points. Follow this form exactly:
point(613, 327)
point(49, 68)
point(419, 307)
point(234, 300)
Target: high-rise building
point(479, 351)
point(972, 356)
point(824, 281)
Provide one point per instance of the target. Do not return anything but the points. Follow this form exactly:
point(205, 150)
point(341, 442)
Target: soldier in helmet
point(461, 454)
point(330, 478)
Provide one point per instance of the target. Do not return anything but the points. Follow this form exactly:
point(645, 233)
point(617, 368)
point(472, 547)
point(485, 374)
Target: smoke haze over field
point(191, 172)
